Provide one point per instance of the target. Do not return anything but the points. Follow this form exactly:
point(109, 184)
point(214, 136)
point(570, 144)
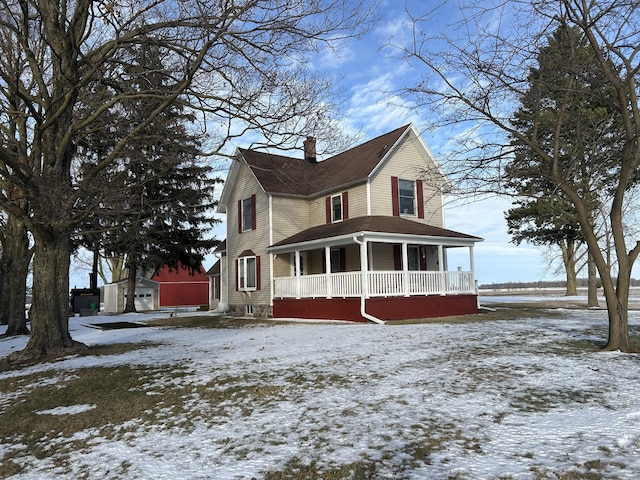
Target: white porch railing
point(380, 284)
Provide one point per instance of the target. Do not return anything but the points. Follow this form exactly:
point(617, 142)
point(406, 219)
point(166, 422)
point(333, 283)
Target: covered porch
point(367, 275)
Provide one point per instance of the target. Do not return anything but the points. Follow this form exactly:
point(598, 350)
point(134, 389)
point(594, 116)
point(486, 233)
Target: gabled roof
point(296, 176)
point(214, 271)
point(374, 224)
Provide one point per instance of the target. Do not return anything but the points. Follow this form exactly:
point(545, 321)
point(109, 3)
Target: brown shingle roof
point(296, 176)
point(379, 224)
point(214, 270)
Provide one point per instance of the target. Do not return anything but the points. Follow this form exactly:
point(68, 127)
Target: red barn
point(180, 288)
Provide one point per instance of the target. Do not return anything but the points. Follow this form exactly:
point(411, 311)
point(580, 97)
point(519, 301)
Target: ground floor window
point(247, 273)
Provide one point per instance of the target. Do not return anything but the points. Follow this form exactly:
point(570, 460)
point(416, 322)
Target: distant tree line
point(581, 282)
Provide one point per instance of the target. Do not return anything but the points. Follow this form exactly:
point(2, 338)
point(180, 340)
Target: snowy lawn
point(517, 398)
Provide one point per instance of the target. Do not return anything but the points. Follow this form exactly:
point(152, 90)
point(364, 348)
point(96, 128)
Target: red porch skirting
point(391, 308)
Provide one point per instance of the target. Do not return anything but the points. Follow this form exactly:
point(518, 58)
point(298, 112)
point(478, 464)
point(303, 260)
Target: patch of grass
point(544, 400)
point(500, 313)
point(294, 469)
point(589, 470)
point(209, 321)
point(119, 395)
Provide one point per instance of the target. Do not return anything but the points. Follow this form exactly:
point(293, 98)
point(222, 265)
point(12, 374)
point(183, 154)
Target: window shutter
point(420, 198)
point(343, 259)
point(328, 209)
point(395, 197)
point(237, 277)
point(253, 212)
point(345, 205)
point(239, 216)
point(257, 272)
point(397, 257)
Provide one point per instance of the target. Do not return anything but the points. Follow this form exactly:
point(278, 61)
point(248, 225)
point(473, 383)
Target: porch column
point(364, 268)
point(405, 269)
point(327, 269)
point(471, 262)
point(296, 272)
point(473, 271)
point(442, 269)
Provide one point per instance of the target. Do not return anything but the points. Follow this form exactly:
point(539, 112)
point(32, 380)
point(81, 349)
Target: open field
point(521, 392)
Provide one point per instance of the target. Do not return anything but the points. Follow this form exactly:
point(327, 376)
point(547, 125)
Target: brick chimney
point(310, 150)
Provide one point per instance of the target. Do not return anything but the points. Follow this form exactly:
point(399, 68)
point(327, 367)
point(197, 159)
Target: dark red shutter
point(345, 205)
point(328, 209)
point(253, 212)
point(237, 277)
point(258, 272)
point(395, 196)
point(420, 198)
point(239, 216)
point(343, 260)
point(397, 257)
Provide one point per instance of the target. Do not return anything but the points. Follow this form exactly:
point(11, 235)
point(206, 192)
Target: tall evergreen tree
point(567, 83)
point(155, 201)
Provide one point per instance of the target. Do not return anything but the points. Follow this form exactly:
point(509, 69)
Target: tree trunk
point(18, 256)
point(130, 305)
point(50, 308)
point(592, 283)
point(4, 288)
point(569, 260)
point(618, 322)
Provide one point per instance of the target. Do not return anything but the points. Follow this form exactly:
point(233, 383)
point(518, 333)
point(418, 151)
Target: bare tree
point(243, 64)
point(477, 76)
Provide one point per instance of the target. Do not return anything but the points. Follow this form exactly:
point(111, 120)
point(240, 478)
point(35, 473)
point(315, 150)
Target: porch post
point(473, 270)
point(442, 269)
point(296, 272)
point(405, 269)
point(327, 269)
point(364, 269)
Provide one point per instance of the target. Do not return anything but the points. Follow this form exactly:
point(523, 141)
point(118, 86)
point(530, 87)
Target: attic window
point(407, 197)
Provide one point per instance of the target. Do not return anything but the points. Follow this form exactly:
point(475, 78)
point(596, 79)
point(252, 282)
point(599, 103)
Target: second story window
point(406, 191)
point(336, 208)
point(247, 214)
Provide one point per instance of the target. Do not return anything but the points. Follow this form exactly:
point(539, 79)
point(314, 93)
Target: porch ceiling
point(377, 228)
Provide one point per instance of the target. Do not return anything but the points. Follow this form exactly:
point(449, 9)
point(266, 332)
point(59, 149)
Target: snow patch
point(69, 410)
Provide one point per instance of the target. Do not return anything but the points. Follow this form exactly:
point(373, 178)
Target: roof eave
point(373, 236)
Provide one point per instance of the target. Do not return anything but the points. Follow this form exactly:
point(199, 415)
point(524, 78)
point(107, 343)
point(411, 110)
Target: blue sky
point(370, 76)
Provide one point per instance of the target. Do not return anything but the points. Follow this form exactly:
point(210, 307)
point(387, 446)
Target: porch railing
point(380, 284)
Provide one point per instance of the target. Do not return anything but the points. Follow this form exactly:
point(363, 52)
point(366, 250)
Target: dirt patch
point(117, 325)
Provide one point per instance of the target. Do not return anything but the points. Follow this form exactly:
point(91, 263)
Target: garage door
point(144, 298)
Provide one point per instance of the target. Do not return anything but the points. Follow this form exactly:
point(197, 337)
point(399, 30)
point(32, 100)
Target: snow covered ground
point(518, 399)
